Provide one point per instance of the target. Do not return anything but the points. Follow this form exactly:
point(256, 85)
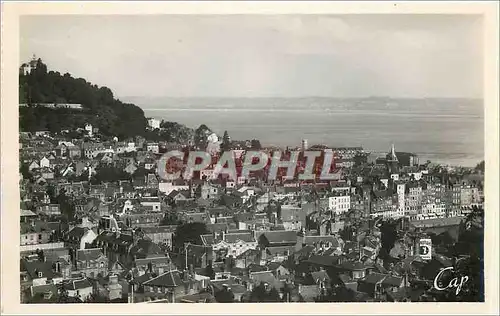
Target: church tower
point(392, 161)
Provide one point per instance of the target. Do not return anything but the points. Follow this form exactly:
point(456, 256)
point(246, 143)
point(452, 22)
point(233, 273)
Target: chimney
point(113, 279)
point(191, 268)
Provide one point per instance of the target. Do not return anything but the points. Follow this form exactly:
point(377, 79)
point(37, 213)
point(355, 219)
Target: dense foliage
point(100, 108)
point(189, 233)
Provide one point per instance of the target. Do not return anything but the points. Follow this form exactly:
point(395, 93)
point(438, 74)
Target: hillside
point(100, 107)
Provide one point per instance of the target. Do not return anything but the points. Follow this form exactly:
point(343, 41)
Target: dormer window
point(40, 274)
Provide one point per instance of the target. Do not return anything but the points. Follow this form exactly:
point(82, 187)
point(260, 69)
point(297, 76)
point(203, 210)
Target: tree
point(108, 173)
point(24, 170)
point(201, 135)
point(480, 166)
point(209, 271)
point(273, 295)
point(189, 233)
point(259, 293)
point(100, 108)
point(224, 296)
point(226, 142)
point(255, 143)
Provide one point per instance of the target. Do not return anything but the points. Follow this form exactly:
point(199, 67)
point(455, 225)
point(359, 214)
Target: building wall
point(339, 204)
point(35, 238)
point(83, 294)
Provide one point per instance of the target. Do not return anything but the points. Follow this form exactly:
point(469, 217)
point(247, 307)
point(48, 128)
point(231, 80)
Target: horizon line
point(306, 97)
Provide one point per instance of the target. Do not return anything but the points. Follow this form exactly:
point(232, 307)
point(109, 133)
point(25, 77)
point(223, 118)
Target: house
point(207, 191)
point(152, 181)
point(278, 270)
point(265, 277)
point(321, 243)
point(44, 163)
point(49, 209)
point(179, 196)
point(42, 294)
point(35, 272)
point(247, 258)
point(80, 288)
point(154, 264)
point(160, 234)
point(110, 288)
point(377, 284)
point(79, 238)
point(142, 219)
point(292, 217)
point(34, 233)
point(98, 192)
point(91, 262)
point(154, 123)
point(277, 238)
point(229, 244)
point(168, 186)
point(27, 216)
point(153, 147)
point(33, 165)
point(131, 167)
point(168, 285)
point(152, 203)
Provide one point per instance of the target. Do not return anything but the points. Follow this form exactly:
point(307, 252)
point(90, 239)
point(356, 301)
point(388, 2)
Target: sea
point(445, 131)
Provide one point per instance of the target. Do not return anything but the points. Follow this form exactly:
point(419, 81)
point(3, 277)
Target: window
point(40, 236)
point(40, 274)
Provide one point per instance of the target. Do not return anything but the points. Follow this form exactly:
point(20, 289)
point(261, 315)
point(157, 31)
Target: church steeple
point(392, 155)
point(392, 160)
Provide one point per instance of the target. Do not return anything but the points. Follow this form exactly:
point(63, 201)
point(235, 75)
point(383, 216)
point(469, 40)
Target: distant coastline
point(447, 131)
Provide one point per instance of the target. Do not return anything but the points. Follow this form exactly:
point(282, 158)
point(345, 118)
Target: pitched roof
point(234, 237)
point(89, 254)
point(168, 279)
point(374, 278)
point(265, 277)
point(154, 259)
point(77, 284)
point(35, 267)
point(329, 261)
point(281, 236)
point(76, 232)
point(392, 280)
point(320, 276)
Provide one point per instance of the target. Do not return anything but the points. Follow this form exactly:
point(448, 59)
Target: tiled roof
point(284, 236)
point(392, 280)
point(77, 284)
point(329, 261)
point(154, 259)
point(374, 278)
point(88, 254)
point(233, 238)
point(76, 232)
point(168, 279)
point(34, 267)
point(320, 276)
point(309, 240)
point(264, 276)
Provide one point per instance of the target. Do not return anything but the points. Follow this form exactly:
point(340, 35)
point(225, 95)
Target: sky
point(264, 56)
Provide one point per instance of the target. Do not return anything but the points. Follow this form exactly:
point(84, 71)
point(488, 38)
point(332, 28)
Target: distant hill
point(99, 107)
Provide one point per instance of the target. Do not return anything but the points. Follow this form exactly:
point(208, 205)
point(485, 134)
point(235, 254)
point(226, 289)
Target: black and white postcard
point(301, 154)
